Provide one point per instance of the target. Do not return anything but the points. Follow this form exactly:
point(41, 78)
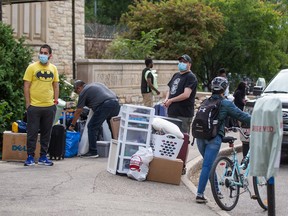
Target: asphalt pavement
point(81, 186)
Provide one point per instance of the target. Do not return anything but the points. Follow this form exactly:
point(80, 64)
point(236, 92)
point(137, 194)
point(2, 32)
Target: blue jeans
point(104, 111)
point(209, 150)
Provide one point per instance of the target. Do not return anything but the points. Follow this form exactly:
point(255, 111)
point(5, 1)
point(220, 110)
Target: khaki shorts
point(148, 99)
point(186, 123)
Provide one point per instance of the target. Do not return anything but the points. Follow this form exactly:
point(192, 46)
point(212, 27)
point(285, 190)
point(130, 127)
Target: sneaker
point(91, 155)
point(43, 160)
point(30, 161)
point(201, 199)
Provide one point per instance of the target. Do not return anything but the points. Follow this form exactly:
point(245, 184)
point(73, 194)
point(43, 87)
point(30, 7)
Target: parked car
point(277, 87)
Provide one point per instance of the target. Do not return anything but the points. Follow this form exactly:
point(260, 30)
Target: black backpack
point(205, 123)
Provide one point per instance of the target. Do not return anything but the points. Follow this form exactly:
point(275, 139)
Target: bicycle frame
point(238, 168)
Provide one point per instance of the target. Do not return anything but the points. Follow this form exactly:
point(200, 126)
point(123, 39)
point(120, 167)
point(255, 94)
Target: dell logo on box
point(18, 148)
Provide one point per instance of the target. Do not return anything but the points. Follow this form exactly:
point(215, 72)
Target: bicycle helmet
point(219, 83)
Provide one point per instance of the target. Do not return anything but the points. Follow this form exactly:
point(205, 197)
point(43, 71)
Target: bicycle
point(228, 176)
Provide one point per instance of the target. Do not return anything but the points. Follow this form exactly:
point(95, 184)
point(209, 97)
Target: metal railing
point(95, 30)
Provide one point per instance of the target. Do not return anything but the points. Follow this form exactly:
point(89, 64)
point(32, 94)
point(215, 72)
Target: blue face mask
point(43, 58)
point(182, 66)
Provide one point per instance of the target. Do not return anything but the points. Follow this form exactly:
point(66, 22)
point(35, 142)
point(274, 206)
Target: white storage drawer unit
point(135, 131)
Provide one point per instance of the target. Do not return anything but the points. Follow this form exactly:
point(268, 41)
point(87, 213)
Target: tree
point(123, 48)
point(252, 44)
point(105, 11)
point(187, 26)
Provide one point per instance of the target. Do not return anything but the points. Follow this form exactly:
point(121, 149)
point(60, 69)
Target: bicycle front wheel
point(222, 178)
point(260, 189)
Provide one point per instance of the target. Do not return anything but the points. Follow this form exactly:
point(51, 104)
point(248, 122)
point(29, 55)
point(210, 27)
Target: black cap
point(186, 58)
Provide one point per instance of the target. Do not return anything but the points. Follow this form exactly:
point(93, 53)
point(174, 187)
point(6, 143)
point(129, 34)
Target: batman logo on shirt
point(45, 76)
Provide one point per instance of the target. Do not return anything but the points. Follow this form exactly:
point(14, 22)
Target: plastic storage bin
point(123, 165)
point(133, 135)
point(135, 131)
point(134, 109)
point(103, 148)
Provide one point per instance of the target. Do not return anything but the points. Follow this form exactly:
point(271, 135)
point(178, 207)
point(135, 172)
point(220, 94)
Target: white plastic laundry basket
point(166, 146)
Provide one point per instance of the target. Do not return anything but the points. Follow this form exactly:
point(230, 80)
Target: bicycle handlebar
point(235, 129)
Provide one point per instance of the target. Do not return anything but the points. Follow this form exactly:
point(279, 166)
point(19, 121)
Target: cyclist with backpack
point(209, 146)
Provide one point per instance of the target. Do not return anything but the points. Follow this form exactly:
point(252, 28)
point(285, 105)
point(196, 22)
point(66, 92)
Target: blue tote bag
point(72, 142)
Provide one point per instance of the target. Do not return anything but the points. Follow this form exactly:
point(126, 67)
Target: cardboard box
point(165, 170)
point(115, 125)
point(14, 146)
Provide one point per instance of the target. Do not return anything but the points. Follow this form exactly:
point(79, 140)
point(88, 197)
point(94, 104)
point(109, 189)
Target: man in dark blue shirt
point(104, 104)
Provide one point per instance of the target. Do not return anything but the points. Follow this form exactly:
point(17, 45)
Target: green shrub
point(4, 120)
point(4, 116)
point(65, 88)
point(14, 58)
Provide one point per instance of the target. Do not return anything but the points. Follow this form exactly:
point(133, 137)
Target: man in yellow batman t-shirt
point(41, 91)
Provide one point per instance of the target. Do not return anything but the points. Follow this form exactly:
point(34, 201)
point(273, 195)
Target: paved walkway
point(79, 186)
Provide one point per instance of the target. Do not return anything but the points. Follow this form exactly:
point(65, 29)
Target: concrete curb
point(195, 165)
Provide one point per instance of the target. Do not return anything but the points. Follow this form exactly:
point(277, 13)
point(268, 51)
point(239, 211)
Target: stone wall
point(95, 47)
point(60, 34)
point(53, 21)
point(124, 77)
